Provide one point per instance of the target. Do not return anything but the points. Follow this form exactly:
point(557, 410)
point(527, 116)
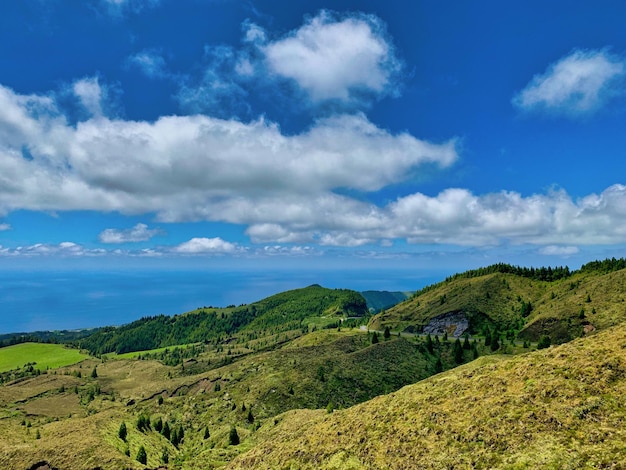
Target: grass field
point(43, 355)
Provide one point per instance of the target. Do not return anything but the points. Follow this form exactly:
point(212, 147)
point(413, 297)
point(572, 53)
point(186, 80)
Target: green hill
point(279, 313)
point(557, 408)
point(519, 302)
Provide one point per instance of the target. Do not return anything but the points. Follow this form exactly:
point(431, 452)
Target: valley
point(460, 374)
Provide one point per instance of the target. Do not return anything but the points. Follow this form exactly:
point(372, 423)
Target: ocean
point(57, 300)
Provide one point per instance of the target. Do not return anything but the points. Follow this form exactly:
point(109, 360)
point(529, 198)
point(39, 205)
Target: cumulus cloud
point(207, 246)
point(139, 233)
point(4, 227)
point(335, 58)
point(193, 167)
point(577, 84)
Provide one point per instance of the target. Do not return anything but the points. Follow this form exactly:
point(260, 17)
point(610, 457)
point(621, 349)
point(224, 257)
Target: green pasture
point(45, 356)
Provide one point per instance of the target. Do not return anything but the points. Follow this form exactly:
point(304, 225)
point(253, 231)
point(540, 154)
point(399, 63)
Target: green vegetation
point(292, 381)
point(556, 408)
point(40, 355)
point(279, 313)
point(521, 303)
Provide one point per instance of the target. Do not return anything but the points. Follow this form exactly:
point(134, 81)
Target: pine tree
point(233, 437)
point(250, 416)
point(475, 350)
point(142, 457)
point(207, 434)
point(166, 431)
point(495, 343)
point(438, 366)
point(487, 337)
point(387, 333)
point(458, 351)
point(94, 373)
point(429, 343)
point(374, 338)
point(122, 432)
point(466, 343)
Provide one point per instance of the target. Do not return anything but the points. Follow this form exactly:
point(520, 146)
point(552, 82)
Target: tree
point(458, 351)
point(487, 337)
point(438, 366)
point(429, 343)
point(233, 437)
point(94, 373)
point(387, 333)
point(166, 431)
point(374, 338)
point(250, 416)
point(544, 342)
point(207, 434)
point(122, 432)
point(466, 343)
point(495, 341)
point(142, 457)
point(158, 424)
point(475, 353)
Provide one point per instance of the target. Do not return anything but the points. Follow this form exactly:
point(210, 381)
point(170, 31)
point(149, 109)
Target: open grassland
point(558, 408)
point(44, 356)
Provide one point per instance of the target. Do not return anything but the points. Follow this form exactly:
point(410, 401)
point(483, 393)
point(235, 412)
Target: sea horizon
point(65, 299)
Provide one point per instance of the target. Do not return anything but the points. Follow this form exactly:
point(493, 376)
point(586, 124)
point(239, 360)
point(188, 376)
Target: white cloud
point(4, 227)
point(556, 250)
point(207, 246)
point(138, 233)
point(577, 84)
point(336, 59)
point(67, 249)
point(194, 167)
point(150, 62)
point(90, 94)
point(282, 188)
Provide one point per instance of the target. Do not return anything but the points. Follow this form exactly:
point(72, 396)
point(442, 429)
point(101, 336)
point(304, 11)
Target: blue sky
point(435, 135)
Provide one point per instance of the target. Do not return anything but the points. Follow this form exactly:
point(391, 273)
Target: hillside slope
point(281, 312)
point(527, 306)
point(557, 408)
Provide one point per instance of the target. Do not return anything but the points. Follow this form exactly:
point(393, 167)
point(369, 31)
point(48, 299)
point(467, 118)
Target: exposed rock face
point(453, 323)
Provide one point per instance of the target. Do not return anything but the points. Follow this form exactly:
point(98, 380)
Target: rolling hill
point(557, 408)
point(520, 302)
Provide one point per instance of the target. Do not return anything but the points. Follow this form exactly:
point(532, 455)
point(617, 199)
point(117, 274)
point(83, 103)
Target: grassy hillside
point(203, 394)
point(523, 302)
point(40, 356)
point(282, 312)
point(557, 408)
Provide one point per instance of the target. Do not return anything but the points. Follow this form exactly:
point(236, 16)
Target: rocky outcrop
point(452, 323)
